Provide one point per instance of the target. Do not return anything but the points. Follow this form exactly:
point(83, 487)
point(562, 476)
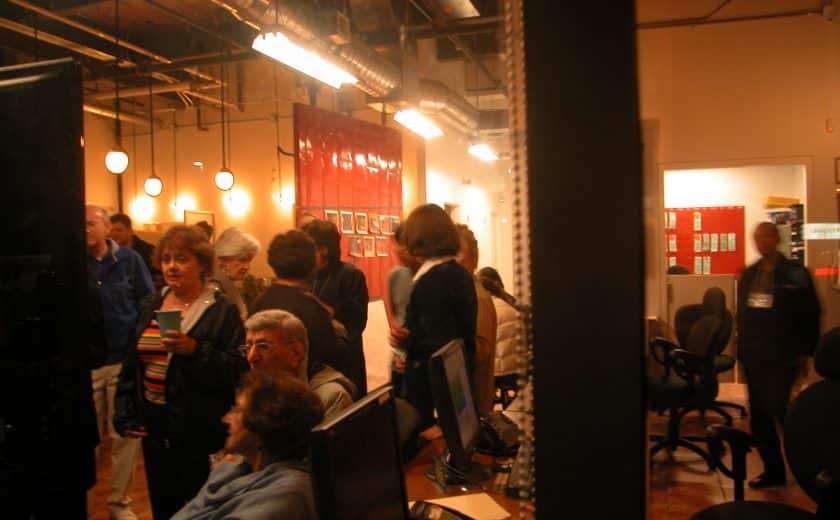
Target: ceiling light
point(116, 160)
point(483, 152)
point(224, 179)
point(153, 185)
point(275, 44)
point(418, 123)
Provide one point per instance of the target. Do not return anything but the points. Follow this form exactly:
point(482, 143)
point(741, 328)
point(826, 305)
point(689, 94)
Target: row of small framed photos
point(367, 246)
point(362, 223)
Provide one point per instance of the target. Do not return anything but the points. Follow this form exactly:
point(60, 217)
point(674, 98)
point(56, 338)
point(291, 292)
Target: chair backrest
point(714, 304)
point(701, 339)
point(812, 426)
point(685, 318)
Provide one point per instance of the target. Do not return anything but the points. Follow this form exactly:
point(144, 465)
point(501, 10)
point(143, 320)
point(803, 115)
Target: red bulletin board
point(706, 240)
point(350, 171)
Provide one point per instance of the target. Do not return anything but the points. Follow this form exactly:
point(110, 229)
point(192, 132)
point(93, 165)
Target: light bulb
point(153, 185)
point(116, 160)
point(224, 179)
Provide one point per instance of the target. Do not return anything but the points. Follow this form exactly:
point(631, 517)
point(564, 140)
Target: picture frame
point(382, 246)
point(370, 246)
point(347, 222)
point(354, 247)
point(331, 215)
point(385, 225)
point(194, 216)
point(395, 221)
point(362, 223)
point(373, 223)
point(837, 170)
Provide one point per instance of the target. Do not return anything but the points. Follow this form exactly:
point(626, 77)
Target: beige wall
point(740, 94)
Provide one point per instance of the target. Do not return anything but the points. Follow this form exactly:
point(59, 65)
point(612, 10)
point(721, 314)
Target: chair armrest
point(685, 364)
point(661, 348)
point(740, 443)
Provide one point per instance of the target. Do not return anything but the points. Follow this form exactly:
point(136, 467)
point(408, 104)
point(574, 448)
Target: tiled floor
point(681, 485)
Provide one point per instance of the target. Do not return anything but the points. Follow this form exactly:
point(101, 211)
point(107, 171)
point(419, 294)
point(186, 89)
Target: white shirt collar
point(429, 264)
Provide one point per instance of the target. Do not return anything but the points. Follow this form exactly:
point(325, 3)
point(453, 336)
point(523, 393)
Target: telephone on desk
point(499, 435)
point(429, 511)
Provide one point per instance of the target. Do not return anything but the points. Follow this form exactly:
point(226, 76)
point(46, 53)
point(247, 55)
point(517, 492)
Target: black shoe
point(766, 481)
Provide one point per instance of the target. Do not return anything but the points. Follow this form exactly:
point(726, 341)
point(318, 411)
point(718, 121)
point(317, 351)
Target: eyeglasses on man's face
point(259, 345)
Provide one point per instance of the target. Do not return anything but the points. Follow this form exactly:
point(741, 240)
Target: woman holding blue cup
point(180, 376)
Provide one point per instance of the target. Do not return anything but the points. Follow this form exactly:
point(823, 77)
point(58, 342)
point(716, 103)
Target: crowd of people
point(222, 398)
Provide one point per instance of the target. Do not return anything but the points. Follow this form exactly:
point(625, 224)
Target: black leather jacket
point(200, 388)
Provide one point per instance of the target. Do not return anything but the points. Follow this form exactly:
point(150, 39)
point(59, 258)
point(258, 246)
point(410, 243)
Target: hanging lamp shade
point(153, 185)
point(116, 160)
point(224, 179)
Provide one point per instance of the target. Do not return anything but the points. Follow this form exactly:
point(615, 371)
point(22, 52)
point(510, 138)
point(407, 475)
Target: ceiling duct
point(378, 77)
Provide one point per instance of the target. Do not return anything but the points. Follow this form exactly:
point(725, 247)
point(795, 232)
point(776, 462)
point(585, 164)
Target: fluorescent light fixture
point(276, 45)
point(483, 152)
point(418, 123)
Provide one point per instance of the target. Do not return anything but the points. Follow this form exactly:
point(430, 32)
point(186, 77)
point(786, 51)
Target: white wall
point(747, 186)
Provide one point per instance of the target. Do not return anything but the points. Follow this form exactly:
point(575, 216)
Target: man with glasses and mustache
point(276, 341)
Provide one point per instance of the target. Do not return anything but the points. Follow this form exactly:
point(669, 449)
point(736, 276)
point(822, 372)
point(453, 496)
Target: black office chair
point(688, 383)
point(714, 303)
point(812, 447)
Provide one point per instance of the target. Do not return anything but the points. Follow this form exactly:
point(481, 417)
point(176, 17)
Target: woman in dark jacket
point(442, 306)
point(176, 385)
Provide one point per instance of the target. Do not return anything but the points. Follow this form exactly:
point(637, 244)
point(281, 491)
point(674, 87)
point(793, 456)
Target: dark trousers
point(769, 384)
point(175, 474)
point(763, 426)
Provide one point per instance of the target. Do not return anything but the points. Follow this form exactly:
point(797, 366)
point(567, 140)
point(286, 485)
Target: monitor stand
point(477, 472)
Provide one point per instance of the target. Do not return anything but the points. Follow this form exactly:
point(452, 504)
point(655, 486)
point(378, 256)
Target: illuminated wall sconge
point(116, 160)
point(237, 202)
point(153, 185)
point(142, 209)
point(182, 203)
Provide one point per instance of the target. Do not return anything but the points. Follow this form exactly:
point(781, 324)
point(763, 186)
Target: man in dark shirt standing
point(123, 234)
point(778, 324)
point(342, 286)
point(118, 279)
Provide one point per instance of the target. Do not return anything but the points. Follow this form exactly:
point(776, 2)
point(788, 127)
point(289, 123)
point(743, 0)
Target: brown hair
point(466, 234)
point(325, 234)
point(292, 255)
point(429, 232)
point(188, 239)
point(280, 410)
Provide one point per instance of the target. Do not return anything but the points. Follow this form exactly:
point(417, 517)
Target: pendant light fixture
point(224, 177)
point(153, 185)
point(116, 160)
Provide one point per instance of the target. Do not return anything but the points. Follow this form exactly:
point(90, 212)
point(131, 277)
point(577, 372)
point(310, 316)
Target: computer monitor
point(357, 470)
point(456, 411)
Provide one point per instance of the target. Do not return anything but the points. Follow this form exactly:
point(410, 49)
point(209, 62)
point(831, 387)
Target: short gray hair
point(235, 243)
point(293, 330)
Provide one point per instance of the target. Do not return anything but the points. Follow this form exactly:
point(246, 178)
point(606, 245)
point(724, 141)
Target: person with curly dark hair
point(177, 383)
point(268, 428)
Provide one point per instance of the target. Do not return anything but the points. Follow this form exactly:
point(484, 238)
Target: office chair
point(689, 383)
point(812, 447)
point(714, 303)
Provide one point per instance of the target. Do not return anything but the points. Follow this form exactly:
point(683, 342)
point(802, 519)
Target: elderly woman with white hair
point(235, 249)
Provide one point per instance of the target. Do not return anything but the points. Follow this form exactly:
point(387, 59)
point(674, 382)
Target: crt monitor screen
point(356, 461)
point(454, 401)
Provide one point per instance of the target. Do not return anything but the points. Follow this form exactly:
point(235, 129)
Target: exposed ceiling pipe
point(436, 98)
point(664, 24)
point(144, 91)
point(107, 37)
point(124, 117)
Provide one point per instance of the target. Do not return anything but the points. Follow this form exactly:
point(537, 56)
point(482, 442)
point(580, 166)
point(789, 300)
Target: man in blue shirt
point(118, 280)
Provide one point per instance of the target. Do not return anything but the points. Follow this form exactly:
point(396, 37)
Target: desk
point(420, 487)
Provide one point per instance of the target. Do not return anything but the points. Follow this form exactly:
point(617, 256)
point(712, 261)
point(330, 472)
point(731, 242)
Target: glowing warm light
point(287, 197)
point(153, 185)
point(116, 160)
point(224, 179)
point(437, 188)
point(483, 152)
point(198, 164)
point(474, 207)
point(276, 45)
point(237, 202)
point(142, 209)
point(418, 123)
point(182, 203)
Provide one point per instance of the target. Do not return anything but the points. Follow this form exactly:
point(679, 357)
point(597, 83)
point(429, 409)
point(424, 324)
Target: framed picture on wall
point(355, 247)
point(370, 246)
point(381, 246)
point(385, 224)
point(331, 215)
point(395, 221)
point(347, 222)
point(361, 223)
point(373, 221)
